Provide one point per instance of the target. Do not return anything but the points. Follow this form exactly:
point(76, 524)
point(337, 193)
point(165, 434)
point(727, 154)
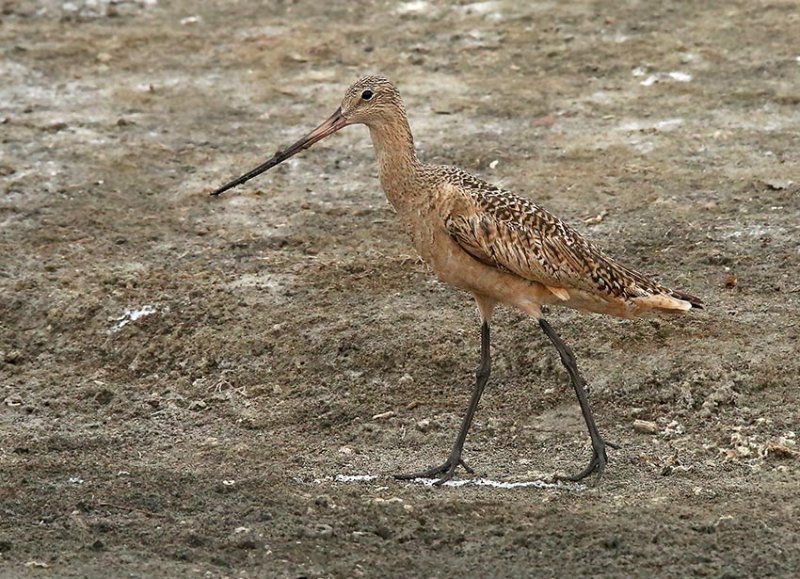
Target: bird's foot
point(446, 469)
point(596, 465)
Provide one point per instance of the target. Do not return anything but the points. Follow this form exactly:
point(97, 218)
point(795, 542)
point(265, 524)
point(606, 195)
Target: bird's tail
point(670, 301)
point(694, 301)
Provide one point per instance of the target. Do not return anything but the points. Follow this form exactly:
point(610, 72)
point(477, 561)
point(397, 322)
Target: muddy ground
point(184, 378)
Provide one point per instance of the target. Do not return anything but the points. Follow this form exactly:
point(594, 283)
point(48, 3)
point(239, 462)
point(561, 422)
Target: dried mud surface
point(183, 378)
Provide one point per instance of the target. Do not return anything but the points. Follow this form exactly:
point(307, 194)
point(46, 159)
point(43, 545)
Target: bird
point(500, 247)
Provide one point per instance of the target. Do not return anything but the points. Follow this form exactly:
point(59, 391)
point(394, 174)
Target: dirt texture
point(183, 378)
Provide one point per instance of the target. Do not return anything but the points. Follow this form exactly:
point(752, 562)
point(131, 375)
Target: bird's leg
point(447, 468)
point(599, 457)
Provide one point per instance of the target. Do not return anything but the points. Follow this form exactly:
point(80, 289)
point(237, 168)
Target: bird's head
point(367, 101)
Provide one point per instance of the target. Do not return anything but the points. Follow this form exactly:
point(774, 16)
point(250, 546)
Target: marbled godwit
point(499, 247)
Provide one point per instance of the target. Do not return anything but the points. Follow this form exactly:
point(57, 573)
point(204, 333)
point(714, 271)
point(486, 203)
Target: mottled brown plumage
point(516, 235)
point(500, 247)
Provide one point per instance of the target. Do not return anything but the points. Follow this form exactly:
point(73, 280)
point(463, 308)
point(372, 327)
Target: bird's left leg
point(448, 468)
point(445, 471)
point(599, 457)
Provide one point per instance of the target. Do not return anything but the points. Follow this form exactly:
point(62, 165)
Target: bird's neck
point(397, 160)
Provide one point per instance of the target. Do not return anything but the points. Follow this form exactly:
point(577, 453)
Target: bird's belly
point(455, 267)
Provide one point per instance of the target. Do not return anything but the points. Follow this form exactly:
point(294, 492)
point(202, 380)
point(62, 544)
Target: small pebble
point(13, 400)
point(645, 426)
point(381, 500)
point(37, 564)
point(405, 379)
point(323, 501)
point(424, 425)
point(318, 530)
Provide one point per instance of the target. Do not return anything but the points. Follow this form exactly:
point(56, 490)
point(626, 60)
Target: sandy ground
point(183, 378)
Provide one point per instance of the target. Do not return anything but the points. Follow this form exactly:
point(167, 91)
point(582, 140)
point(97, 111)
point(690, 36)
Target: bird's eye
point(366, 95)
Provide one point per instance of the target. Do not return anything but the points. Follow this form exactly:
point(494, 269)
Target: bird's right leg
point(447, 468)
point(599, 457)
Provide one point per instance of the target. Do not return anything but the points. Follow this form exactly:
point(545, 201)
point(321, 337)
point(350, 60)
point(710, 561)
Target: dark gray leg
point(447, 468)
point(599, 457)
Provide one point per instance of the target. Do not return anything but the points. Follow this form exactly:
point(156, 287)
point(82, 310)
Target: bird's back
point(513, 234)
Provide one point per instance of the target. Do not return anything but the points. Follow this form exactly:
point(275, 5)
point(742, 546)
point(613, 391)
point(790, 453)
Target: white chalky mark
point(484, 482)
point(476, 482)
point(660, 76)
point(131, 315)
point(680, 76)
point(354, 477)
point(417, 7)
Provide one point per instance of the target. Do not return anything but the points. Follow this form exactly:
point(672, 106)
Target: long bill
point(335, 122)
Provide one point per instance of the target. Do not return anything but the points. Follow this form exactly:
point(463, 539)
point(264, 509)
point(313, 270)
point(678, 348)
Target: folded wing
point(516, 235)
